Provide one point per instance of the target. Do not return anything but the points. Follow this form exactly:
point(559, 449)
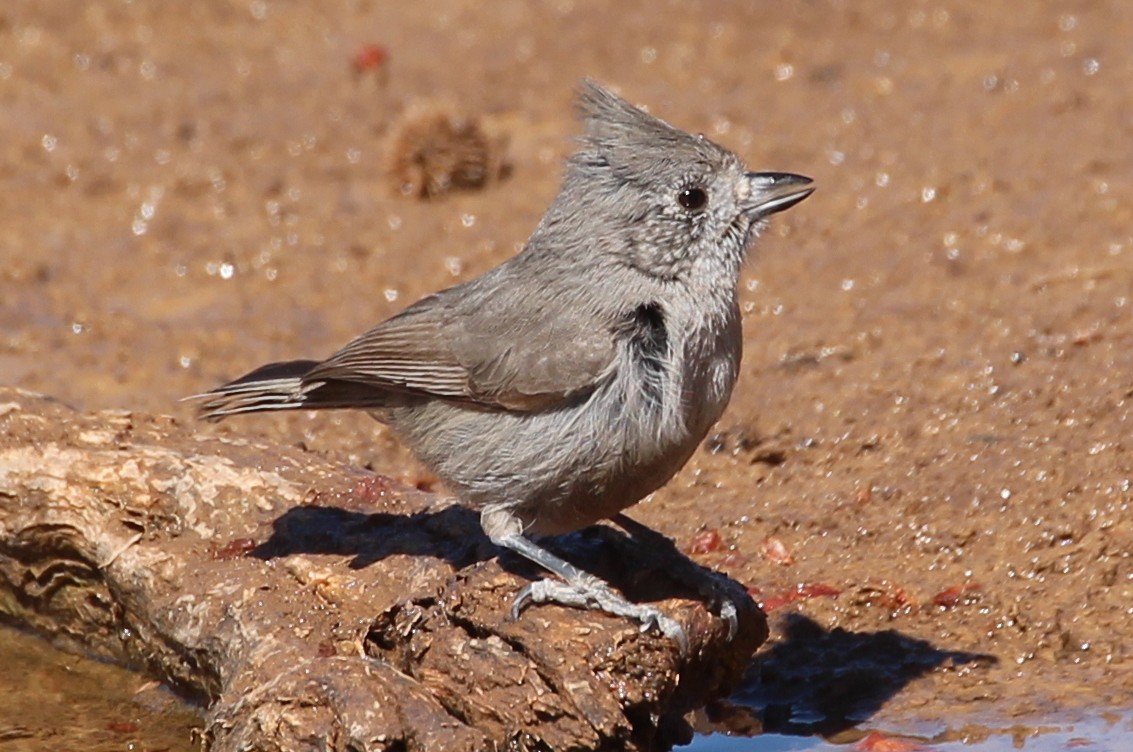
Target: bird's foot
point(591, 593)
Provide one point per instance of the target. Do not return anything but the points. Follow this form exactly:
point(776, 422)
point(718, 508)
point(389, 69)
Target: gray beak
point(772, 192)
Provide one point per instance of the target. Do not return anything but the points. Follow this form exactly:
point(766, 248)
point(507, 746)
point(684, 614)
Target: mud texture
point(926, 465)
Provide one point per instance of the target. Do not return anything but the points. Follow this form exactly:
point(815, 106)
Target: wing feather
point(494, 354)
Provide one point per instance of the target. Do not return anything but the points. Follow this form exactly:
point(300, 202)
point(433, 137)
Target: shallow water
point(1112, 733)
point(53, 700)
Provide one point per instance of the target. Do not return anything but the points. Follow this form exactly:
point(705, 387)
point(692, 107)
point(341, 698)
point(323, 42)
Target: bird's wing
point(506, 355)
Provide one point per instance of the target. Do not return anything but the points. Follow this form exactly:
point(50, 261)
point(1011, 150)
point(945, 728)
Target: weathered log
point(312, 605)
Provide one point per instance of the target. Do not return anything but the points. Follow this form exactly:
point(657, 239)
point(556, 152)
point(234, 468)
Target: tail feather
point(281, 386)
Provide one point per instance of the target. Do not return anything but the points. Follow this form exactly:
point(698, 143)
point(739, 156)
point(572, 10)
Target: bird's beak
point(771, 192)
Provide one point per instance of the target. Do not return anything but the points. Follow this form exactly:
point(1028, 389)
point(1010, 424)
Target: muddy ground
point(933, 414)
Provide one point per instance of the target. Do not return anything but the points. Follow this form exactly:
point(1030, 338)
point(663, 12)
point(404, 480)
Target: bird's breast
point(673, 397)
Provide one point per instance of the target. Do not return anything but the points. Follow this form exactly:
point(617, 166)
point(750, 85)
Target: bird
point(577, 377)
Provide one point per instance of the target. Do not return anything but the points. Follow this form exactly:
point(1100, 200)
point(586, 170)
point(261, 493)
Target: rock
point(311, 605)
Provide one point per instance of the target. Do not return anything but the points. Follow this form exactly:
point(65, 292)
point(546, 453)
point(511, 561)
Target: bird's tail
point(283, 386)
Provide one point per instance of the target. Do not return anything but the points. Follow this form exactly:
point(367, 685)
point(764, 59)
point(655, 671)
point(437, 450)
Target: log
point(312, 605)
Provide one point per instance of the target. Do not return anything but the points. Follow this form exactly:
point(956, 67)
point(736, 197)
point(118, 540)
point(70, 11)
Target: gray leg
point(721, 592)
point(577, 589)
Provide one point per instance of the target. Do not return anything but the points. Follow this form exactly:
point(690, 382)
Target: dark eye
point(692, 199)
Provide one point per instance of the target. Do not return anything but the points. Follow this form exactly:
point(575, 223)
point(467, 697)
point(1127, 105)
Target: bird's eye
point(692, 199)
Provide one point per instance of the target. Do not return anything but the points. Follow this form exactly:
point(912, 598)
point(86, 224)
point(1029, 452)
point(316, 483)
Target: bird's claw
point(596, 596)
point(728, 612)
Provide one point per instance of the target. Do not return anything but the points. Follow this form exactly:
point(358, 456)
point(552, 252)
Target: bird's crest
point(623, 137)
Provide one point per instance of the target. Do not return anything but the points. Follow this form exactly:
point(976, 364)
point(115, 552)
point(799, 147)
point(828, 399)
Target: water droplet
point(30, 36)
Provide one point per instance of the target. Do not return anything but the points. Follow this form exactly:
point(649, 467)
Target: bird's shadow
point(450, 533)
point(453, 534)
point(818, 681)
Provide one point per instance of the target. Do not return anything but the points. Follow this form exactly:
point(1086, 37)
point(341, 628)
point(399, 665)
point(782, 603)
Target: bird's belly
point(563, 469)
point(636, 455)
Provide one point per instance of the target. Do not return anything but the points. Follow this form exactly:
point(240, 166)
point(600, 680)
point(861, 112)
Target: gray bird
point(577, 377)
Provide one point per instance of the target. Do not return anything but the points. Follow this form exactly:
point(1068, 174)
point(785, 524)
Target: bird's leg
point(577, 589)
point(723, 594)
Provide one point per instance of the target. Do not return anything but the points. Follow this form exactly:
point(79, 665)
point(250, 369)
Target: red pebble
point(235, 548)
point(122, 727)
point(733, 559)
point(817, 590)
point(369, 57)
point(776, 552)
point(706, 542)
point(877, 742)
point(773, 602)
point(882, 594)
point(802, 591)
point(954, 596)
